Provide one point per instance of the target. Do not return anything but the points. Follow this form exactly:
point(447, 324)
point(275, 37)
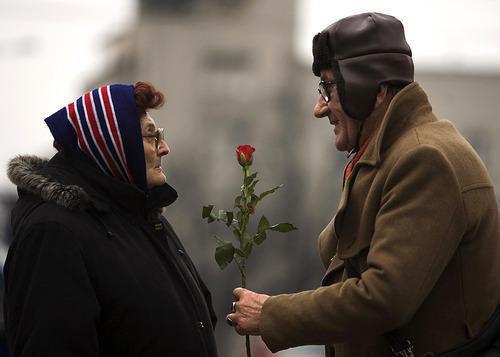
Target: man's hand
point(246, 311)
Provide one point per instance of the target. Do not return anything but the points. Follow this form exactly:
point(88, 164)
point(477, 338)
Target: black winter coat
point(92, 271)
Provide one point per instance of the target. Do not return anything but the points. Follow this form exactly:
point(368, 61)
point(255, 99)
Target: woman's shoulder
point(34, 218)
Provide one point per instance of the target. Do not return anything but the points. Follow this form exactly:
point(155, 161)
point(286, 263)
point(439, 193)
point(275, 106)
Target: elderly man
point(412, 255)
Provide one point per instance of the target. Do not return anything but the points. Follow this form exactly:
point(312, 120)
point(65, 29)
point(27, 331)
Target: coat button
point(158, 226)
point(201, 324)
point(181, 252)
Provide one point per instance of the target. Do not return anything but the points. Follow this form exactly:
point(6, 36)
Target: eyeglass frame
point(324, 91)
point(158, 135)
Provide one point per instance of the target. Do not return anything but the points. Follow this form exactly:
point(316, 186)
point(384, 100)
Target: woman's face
point(154, 149)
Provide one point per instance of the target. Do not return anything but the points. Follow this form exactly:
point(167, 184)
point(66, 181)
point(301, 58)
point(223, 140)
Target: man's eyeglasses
point(325, 88)
point(158, 136)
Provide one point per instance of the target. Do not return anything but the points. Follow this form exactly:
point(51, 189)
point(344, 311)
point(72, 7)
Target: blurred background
point(236, 72)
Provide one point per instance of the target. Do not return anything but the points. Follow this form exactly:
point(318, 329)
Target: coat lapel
point(396, 121)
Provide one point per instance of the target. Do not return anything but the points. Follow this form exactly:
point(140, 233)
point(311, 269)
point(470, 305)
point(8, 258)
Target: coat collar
point(76, 184)
point(408, 108)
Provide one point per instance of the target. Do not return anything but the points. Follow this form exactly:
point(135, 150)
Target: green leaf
point(206, 211)
point(260, 237)
point(254, 199)
point(229, 218)
point(248, 180)
point(221, 215)
point(263, 224)
point(251, 205)
point(283, 227)
point(210, 218)
point(252, 185)
point(246, 245)
point(224, 253)
point(268, 192)
point(237, 201)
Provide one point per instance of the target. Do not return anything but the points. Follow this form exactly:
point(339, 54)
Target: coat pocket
point(334, 273)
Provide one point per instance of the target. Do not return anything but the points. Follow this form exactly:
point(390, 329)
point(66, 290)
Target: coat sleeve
point(50, 306)
point(417, 230)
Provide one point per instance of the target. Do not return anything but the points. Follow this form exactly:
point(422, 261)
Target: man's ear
point(381, 95)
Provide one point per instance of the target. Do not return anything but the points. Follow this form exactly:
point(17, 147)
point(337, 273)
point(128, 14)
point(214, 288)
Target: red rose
point(244, 154)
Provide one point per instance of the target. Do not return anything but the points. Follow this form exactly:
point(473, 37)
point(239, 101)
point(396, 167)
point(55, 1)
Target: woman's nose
point(163, 148)
point(321, 108)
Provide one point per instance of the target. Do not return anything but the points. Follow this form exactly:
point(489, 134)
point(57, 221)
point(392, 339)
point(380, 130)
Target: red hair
point(147, 97)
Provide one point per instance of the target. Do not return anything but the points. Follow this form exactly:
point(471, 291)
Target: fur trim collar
point(24, 171)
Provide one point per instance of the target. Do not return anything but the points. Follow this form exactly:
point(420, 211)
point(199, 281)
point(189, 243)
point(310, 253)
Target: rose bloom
point(244, 154)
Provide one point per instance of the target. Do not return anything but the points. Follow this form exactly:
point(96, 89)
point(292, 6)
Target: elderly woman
point(94, 269)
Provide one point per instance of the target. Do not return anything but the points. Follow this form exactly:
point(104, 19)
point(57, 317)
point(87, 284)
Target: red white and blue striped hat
point(104, 124)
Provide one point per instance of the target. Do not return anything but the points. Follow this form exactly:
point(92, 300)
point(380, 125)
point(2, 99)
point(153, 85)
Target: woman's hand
point(247, 308)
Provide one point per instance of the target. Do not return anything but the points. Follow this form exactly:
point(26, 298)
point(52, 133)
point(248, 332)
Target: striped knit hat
point(104, 124)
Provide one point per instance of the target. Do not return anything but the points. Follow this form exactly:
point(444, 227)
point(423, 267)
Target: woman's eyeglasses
point(158, 136)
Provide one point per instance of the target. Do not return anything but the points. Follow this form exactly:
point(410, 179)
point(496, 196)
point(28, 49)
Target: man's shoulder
point(439, 134)
point(441, 141)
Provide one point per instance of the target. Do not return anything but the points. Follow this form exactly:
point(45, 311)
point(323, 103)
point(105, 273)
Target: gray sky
point(49, 48)
point(456, 35)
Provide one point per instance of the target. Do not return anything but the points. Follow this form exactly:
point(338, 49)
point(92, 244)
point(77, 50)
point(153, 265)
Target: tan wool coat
point(419, 220)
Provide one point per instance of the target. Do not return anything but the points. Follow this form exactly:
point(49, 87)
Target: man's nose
point(321, 108)
point(163, 148)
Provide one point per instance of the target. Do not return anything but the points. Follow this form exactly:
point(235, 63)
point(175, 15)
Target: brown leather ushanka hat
point(364, 51)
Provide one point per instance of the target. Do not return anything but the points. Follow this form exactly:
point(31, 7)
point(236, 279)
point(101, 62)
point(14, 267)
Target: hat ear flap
point(341, 91)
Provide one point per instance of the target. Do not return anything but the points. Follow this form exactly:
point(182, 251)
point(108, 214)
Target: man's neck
point(373, 121)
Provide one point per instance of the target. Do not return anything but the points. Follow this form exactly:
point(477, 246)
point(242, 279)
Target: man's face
point(346, 128)
point(154, 149)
